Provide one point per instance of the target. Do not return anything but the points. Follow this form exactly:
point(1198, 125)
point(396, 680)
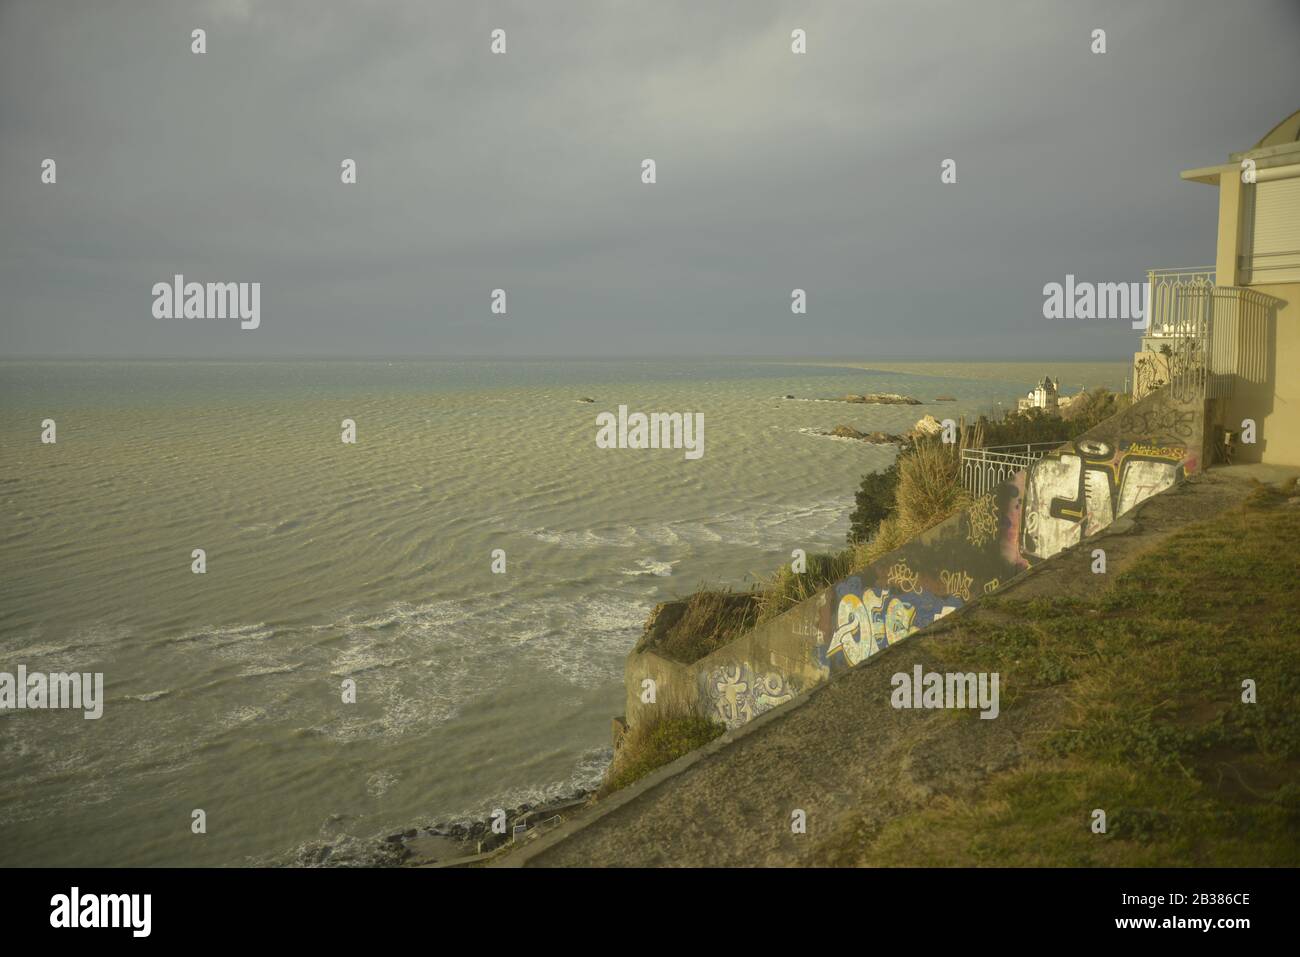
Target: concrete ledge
point(625, 796)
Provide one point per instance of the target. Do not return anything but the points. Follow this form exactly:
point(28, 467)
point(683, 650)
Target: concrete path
point(842, 748)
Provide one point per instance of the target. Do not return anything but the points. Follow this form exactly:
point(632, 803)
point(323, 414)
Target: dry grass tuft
point(655, 743)
point(712, 619)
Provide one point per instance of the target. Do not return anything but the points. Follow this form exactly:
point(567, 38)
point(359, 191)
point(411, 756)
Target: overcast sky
point(522, 171)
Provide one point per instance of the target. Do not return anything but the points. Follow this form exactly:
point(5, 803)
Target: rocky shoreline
point(457, 840)
point(925, 426)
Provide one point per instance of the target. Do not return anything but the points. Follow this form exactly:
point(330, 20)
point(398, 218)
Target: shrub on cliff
point(711, 619)
point(929, 482)
point(1023, 428)
point(657, 742)
point(786, 588)
point(890, 534)
point(929, 491)
point(1037, 425)
point(874, 501)
point(1092, 408)
point(926, 490)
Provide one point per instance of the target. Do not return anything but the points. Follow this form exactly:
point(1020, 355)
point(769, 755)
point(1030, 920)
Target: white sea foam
point(649, 566)
point(379, 782)
point(92, 641)
point(586, 775)
point(245, 714)
point(264, 671)
point(148, 695)
point(225, 634)
point(580, 538)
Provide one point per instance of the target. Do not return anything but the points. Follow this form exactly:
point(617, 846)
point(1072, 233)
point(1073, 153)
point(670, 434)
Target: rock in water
point(927, 425)
point(883, 398)
point(849, 432)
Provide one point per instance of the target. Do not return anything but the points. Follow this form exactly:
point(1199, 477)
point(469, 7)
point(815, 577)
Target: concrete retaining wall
point(1070, 494)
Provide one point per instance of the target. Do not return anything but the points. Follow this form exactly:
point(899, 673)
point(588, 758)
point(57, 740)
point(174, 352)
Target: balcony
point(1169, 293)
point(1201, 338)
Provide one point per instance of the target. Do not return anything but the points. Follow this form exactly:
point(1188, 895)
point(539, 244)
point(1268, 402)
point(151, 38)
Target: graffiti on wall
point(902, 577)
point(982, 520)
point(737, 694)
point(956, 583)
point(1160, 419)
point(1013, 508)
point(868, 620)
point(1070, 495)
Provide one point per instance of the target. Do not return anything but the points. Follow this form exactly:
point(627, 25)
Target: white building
point(1045, 396)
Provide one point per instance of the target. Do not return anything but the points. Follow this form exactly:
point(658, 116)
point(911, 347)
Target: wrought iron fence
point(1203, 337)
point(1166, 300)
point(1238, 337)
point(983, 470)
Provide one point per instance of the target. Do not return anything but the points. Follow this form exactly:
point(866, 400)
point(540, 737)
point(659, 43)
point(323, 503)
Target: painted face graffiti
point(1071, 495)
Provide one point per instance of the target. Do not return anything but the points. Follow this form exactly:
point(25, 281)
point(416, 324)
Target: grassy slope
point(652, 745)
point(1153, 730)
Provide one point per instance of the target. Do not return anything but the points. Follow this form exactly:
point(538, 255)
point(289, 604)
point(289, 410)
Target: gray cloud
point(522, 171)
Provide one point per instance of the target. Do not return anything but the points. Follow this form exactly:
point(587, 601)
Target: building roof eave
point(1208, 174)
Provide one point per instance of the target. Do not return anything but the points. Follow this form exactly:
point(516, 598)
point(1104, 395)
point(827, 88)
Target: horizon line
point(497, 357)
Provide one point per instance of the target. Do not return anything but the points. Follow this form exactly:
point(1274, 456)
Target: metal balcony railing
point(1202, 337)
point(1166, 300)
point(983, 470)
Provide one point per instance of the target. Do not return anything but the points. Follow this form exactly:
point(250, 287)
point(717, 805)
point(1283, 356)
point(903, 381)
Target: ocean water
point(373, 562)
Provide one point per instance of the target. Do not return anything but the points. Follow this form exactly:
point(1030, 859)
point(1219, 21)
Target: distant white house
point(1046, 396)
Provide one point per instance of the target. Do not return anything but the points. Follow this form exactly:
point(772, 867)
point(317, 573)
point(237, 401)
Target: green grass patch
point(711, 619)
point(787, 588)
point(654, 744)
point(1149, 725)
